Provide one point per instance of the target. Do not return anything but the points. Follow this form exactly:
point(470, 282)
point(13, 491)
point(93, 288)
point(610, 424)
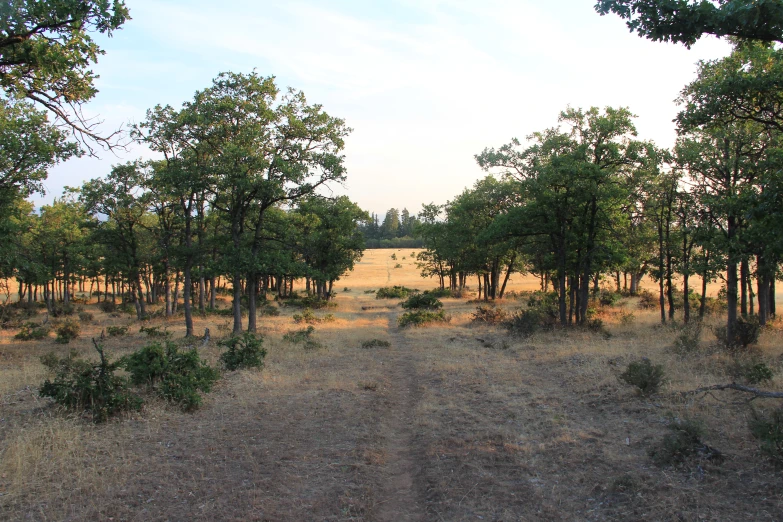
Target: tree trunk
point(744, 287)
point(252, 287)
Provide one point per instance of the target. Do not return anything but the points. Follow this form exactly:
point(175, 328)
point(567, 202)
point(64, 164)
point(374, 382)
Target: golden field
point(451, 422)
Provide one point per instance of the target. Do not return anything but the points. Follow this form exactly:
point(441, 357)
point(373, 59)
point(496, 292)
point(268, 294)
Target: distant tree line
point(398, 230)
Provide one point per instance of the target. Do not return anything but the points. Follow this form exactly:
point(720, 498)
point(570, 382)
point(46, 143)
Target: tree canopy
point(685, 21)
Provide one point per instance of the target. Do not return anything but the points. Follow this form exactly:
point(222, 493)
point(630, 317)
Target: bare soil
point(450, 422)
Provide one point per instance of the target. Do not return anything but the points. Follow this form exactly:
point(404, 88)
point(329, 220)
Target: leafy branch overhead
point(685, 21)
point(46, 55)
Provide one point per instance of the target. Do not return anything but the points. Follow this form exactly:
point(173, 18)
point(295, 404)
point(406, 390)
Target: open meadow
point(449, 422)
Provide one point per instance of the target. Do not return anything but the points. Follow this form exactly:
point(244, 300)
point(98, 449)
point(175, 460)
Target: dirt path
point(400, 498)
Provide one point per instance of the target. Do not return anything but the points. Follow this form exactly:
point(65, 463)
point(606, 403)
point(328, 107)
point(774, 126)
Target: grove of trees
point(586, 200)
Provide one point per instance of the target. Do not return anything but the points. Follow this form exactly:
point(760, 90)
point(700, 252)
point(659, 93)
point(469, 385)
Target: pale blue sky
point(424, 84)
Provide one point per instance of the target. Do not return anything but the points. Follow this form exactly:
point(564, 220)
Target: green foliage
point(489, 315)
point(747, 331)
point(176, 376)
point(526, 322)
point(608, 298)
point(244, 351)
point(84, 386)
point(116, 331)
point(307, 316)
point(107, 307)
point(443, 292)
point(307, 301)
point(688, 338)
point(394, 292)
point(684, 441)
point(422, 317)
point(376, 343)
point(751, 371)
point(62, 310)
point(394, 256)
point(32, 332)
point(425, 301)
point(768, 430)
point(645, 376)
point(155, 331)
point(304, 337)
point(85, 317)
point(595, 325)
point(647, 300)
point(681, 21)
point(398, 265)
point(67, 331)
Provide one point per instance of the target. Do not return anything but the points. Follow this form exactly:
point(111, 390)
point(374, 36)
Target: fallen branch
point(739, 387)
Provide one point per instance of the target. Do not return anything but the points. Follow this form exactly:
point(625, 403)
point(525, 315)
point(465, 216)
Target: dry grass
point(451, 422)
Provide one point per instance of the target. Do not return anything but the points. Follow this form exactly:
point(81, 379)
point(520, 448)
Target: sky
point(424, 84)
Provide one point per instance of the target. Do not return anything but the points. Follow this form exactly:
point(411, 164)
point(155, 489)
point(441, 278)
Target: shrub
point(398, 265)
point(62, 310)
point(681, 444)
point(524, 322)
point(747, 331)
point(752, 372)
point(268, 310)
point(608, 298)
point(31, 332)
point(546, 303)
point(85, 317)
point(644, 375)
point(369, 291)
point(116, 331)
point(441, 292)
point(595, 325)
point(688, 338)
point(376, 343)
point(769, 432)
point(155, 331)
point(489, 315)
point(243, 352)
point(82, 385)
point(648, 300)
point(307, 316)
point(67, 331)
point(107, 306)
point(394, 256)
point(394, 292)
point(422, 317)
point(627, 318)
point(425, 301)
point(308, 301)
point(303, 337)
point(174, 375)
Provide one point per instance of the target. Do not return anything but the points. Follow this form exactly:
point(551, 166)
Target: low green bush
point(62, 310)
point(689, 337)
point(608, 298)
point(489, 315)
point(394, 292)
point(84, 386)
point(85, 317)
point(116, 331)
point(308, 317)
point(376, 343)
point(423, 301)
point(753, 371)
point(155, 331)
point(32, 332)
point(768, 430)
point(176, 376)
point(107, 306)
point(683, 442)
point(67, 331)
point(303, 337)
point(308, 301)
point(747, 331)
point(244, 351)
point(645, 376)
point(422, 317)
